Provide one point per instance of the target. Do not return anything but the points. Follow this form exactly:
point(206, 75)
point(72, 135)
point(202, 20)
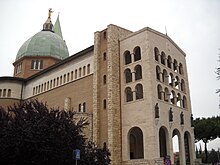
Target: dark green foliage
point(213, 156)
point(207, 129)
point(32, 134)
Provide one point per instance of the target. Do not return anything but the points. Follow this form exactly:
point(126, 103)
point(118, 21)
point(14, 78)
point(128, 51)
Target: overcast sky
point(194, 25)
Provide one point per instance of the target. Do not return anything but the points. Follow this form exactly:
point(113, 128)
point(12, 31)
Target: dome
point(44, 43)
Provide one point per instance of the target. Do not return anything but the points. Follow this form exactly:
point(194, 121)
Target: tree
point(207, 129)
point(33, 134)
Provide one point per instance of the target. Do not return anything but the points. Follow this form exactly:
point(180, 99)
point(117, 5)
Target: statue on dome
point(49, 12)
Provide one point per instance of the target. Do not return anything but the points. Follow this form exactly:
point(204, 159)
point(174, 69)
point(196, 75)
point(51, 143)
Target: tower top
point(48, 26)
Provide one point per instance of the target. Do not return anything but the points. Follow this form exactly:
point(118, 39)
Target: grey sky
point(193, 25)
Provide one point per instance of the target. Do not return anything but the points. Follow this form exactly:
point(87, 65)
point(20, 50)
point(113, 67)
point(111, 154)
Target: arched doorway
point(176, 146)
point(163, 136)
point(136, 143)
point(187, 145)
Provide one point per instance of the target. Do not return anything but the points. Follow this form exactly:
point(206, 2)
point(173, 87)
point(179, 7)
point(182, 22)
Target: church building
point(131, 86)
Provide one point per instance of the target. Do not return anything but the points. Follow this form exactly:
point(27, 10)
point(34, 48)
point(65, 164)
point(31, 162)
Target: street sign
point(77, 154)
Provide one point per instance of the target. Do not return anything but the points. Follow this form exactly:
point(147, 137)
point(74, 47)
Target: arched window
point(104, 79)
point(179, 99)
point(129, 94)
point(156, 54)
point(80, 72)
point(165, 76)
point(104, 56)
point(105, 35)
point(9, 93)
point(84, 70)
point(80, 106)
point(158, 72)
point(184, 102)
point(159, 92)
point(57, 81)
point(45, 85)
point(54, 83)
point(170, 79)
point(76, 74)
point(166, 95)
point(128, 75)
point(163, 58)
point(139, 91)
point(169, 62)
point(68, 77)
point(36, 90)
point(64, 78)
point(177, 82)
point(175, 66)
point(183, 86)
point(127, 57)
point(138, 72)
point(42, 87)
point(61, 80)
point(51, 84)
point(39, 88)
point(88, 69)
point(181, 68)
point(137, 53)
point(33, 91)
point(104, 104)
point(173, 97)
point(84, 107)
point(1, 92)
point(71, 75)
point(136, 143)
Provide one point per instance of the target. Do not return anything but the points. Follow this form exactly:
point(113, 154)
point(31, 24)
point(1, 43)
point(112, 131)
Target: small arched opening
point(138, 72)
point(127, 57)
point(163, 138)
point(128, 94)
point(128, 75)
point(137, 53)
point(136, 143)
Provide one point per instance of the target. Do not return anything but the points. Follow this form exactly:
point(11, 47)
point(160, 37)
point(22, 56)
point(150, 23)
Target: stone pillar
point(171, 63)
point(182, 150)
point(114, 114)
point(96, 91)
point(161, 76)
point(133, 76)
point(192, 147)
point(113, 92)
point(132, 57)
point(159, 58)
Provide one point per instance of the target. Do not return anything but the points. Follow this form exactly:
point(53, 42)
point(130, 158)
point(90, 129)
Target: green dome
point(44, 43)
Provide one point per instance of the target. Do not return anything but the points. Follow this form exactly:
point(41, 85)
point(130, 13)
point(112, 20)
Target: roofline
point(12, 78)
point(167, 37)
point(91, 48)
point(30, 57)
point(158, 33)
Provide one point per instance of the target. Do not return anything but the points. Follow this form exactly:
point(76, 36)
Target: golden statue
point(49, 12)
